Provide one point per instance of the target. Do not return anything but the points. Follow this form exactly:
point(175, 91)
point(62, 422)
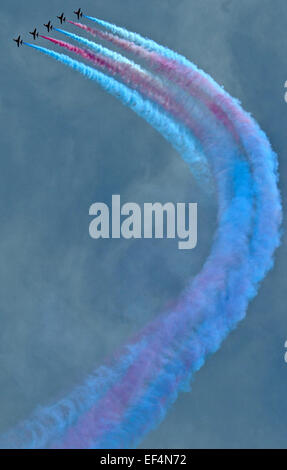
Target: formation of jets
point(49, 26)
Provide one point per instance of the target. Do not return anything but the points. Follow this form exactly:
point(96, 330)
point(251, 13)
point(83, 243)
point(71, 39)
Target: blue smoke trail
point(182, 141)
point(148, 44)
point(244, 223)
point(49, 421)
point(258, 150)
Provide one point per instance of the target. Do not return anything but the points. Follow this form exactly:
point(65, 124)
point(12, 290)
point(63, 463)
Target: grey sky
point(67, 301)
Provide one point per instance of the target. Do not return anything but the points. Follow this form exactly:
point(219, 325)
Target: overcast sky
point(67, 301)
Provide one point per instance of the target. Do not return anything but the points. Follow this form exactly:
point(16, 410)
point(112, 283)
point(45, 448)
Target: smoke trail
point(118, 61)
point(98, 48)
point(46, 420)
point(156, 61)
point(263, 244)
point(218, 297)
point(112, 415)
point(180, 70)
point(236, 245)
point(147, 85)
point(172, 131)
point(165, 337)
point(269, 154)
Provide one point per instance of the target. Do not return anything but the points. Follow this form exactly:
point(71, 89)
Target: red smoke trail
point(160, 65)
point(116, 68)
point(136, 79)
point(240, 124)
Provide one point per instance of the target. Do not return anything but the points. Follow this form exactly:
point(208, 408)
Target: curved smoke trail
point(123, 401)
point(256, 145)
